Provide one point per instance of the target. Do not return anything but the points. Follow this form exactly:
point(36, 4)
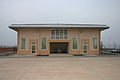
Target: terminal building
point(47, 39)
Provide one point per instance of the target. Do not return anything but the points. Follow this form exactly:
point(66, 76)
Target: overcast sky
point(59, 11)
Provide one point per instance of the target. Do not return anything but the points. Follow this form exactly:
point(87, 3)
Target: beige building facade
point(47, 39)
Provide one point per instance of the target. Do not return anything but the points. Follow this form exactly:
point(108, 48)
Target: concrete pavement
point(73, 68)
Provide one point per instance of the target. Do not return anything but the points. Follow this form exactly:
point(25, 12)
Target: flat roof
point(69, 26)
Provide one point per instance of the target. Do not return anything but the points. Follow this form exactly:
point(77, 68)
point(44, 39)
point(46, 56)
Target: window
point(95, 43)
point(74, 43)
point(59, 34)
point(43, 43)
point(65, 34)
point(22, 43)
point(53, 34)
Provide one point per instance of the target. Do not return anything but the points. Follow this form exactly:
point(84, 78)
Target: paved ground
point(72, 68)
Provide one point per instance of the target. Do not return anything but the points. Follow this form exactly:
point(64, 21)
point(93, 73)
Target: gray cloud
point(59, 11)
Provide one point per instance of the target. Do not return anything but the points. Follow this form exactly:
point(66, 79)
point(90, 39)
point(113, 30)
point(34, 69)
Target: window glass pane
point(43, 43)
point(85, 43)
point(22, 43)
point(59, 34)
point(74, 42)
point(95, 43)
point(65, 32)
point(53, 34)
point(65, 36)
point(52, 37)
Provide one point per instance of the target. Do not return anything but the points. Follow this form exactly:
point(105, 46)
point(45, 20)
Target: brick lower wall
point(11, 49)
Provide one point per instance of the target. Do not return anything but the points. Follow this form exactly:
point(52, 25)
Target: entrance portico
point(59, 47)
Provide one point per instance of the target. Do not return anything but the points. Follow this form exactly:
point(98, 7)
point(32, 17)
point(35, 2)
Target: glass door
point(85, 47)
point(33, 47)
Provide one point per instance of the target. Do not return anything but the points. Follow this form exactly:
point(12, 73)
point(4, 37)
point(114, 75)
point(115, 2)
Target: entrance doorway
point(59, 47)
point(33, 47)
point(85, 47)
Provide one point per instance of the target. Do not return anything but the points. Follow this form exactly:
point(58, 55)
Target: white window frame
point(51, 33)
point(21, 43)
point(77, 43)
point(59, 34)
point(93, 43)
point(41, 43)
